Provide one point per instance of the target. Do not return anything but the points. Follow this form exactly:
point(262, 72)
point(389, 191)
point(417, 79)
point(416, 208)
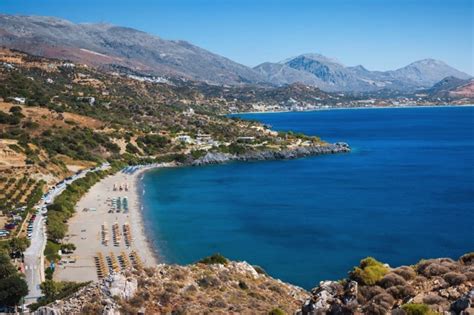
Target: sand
point(85, 228)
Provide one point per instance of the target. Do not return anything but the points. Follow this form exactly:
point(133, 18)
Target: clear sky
point(379, 34)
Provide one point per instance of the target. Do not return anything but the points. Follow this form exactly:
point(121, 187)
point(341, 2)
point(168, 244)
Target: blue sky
point(379, 34)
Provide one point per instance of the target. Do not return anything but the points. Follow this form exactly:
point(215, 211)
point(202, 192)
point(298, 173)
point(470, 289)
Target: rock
point(218, 158)
point(119, 285)
point(460, 305)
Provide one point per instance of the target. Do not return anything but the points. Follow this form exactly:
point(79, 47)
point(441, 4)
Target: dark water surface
point(405, 192)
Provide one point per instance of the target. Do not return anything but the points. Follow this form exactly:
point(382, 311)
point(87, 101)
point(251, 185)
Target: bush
point(48, 272)
point(434, 299)
point(401, 291)
point(260, 270)
point(467, 259)
point(369, 272)
point(417, 309)
point(277, 311)
point(130, 148)
point(380, 304)
point(243, 285)
point(390, 280)
point(406, 272)
point(214, 259)
point(454, 278)
point(51, 251)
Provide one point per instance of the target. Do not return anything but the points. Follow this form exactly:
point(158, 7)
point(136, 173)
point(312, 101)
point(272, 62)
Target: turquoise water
point(404, 193)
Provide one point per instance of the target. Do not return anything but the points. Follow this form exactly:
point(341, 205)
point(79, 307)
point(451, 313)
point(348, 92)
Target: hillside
point(58, 118)
point(217, 286)
point(105, 45)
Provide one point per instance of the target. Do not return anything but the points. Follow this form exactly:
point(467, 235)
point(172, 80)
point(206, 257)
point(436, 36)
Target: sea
point(404, 193)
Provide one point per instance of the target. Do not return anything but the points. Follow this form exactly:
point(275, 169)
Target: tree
point(12, 286)
point(68, 247)
point(18, 244)
point(12, 290)
point(6, 267)
point(50, 288)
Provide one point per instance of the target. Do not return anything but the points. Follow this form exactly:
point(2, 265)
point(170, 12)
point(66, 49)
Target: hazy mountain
point(328, 74)
point(104, 44)
point(452, 87)
point(427, 72)
point(115, 47)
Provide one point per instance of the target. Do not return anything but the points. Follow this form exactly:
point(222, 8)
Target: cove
point(405, 192)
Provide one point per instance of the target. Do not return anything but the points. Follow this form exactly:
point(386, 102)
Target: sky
point(379, 34)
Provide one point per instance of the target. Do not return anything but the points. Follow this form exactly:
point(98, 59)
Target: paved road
point(34, 258)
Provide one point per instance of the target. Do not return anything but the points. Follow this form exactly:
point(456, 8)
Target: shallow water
point(406, 192)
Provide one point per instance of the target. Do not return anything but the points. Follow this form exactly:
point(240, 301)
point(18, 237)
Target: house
point(203, 138)
point(245, 139)
point(88, 99)
point(18, 100)
point(189, 112)
point(184, 138)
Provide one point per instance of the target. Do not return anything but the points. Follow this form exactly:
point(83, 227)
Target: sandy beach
point(92, 229)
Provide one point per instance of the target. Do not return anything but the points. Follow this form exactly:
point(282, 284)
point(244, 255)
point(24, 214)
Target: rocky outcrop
point(218, 158)
point(439, 286)
point(233, 287)
point(434, 286)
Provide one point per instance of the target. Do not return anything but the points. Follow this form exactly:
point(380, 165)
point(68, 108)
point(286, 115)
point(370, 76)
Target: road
point(34, 258)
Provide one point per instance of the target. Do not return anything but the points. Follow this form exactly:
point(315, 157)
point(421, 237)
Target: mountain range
point(109, 46)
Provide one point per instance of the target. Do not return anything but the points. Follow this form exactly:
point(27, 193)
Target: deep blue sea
point(405, 192)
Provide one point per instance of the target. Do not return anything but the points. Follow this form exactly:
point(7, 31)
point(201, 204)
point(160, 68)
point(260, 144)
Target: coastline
point(85, 227)
point(93, 214)
point(349, 108)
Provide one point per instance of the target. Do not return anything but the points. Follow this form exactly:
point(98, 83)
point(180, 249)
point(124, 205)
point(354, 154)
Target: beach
point(100, 233)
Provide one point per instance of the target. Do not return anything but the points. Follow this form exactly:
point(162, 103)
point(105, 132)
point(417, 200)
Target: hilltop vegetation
point(78, 116)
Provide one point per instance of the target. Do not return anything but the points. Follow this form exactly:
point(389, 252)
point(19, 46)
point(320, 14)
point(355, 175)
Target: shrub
point(390, 280)
point(214, 259)
point(130, 148)
point(431, 268)
point(406, 272)
point(401, 291)
point(467, 259)
point(417, 309)
point(260, 270)
point(366, 293)
point(208, 281)
point(277, 311)
point(51, 251)
point(369, 271)
point(454, 278)
point(434, 299)
point(243, 285)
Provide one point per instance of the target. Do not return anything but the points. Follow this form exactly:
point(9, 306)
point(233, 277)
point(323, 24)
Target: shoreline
point(86, 227)
point(92, 214)
point(348, 108)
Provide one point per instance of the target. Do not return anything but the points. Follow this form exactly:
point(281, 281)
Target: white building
point(184, 138)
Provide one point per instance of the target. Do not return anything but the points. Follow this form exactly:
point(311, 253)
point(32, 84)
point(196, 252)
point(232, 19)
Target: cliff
point(443, 286)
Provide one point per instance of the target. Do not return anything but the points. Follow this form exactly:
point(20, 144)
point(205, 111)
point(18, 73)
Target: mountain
point(106, 45)
point(452, 87)
point(330, 75)
point(113, 47)
point(427, 72)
